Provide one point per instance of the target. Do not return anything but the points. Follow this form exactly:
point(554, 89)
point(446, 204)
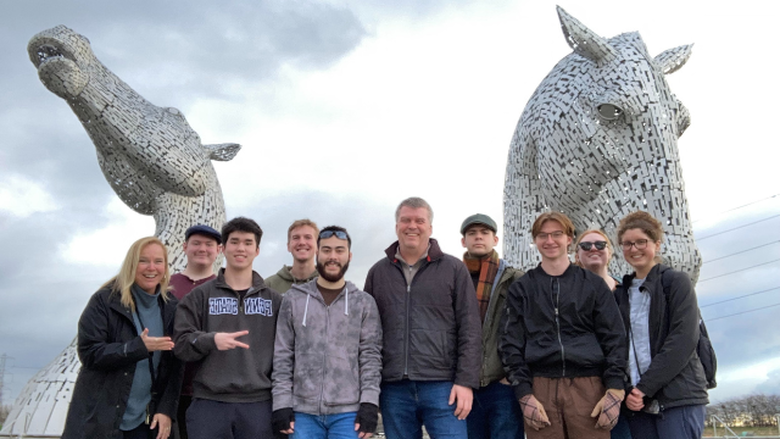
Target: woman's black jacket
point(675, 376)
point(109, 347)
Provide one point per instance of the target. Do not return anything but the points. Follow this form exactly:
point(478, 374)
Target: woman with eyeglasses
point(658, 304)
point(129, 382)
point(593, 251)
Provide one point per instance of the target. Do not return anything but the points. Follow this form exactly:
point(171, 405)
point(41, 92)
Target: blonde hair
point(123, 282)
point(588, 232)
point(302, 223)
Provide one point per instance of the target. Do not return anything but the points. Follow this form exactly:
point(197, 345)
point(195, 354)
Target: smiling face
point(201, 250)
point(240, 251)
point(594, 259)
point(552, 241)
point(413, 228)
point(151, 268)
point(303, 243)
point(333, 258)
point(641, 259)
point(479, 240)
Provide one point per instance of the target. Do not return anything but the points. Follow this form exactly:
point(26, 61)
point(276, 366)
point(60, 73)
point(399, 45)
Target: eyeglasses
point(555, 235)
point(640, 244)
point(587, 245)
point(328, 233)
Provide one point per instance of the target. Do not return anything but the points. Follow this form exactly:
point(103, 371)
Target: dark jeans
point(685, 422)
point(408, 405)
point(495, 414)
point(229, 420)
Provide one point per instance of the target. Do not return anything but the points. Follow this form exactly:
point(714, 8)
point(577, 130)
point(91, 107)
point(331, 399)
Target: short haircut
point(241, 224)
point(643, 221)
point(588, 232)
point(561, 218)
point(335, 229)
point(301, 223)
point(414, 203)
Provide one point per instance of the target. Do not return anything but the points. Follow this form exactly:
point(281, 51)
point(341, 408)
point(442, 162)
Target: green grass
point(751, 431)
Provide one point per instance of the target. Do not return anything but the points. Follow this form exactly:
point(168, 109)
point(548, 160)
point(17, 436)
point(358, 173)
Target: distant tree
point(756, 410)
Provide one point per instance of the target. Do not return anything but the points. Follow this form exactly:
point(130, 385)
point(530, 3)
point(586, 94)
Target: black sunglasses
point(587, 245)
point(328, 233)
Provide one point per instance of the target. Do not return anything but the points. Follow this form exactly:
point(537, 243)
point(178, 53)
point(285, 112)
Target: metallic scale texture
point(598, 140)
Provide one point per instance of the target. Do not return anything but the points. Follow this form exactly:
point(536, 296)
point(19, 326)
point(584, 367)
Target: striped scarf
point(487, 267)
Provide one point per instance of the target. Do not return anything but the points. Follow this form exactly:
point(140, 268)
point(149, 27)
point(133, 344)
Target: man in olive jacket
point(495, 413)
point(432, 337)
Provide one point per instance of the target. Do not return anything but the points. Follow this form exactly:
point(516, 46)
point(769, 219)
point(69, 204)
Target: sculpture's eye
point(609, 111)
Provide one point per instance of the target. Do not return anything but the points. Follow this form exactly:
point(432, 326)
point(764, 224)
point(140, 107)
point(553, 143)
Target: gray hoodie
point(327, 359)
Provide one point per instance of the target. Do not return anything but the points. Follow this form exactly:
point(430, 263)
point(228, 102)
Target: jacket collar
point(434, 251)
point(257, 282)
point(656, 273)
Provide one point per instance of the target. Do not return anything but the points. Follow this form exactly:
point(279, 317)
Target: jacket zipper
point(557, 301)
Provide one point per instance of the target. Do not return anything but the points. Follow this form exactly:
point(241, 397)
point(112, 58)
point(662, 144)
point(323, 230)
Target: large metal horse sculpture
point(598, 140)
point(150, 156)
point(154, 162)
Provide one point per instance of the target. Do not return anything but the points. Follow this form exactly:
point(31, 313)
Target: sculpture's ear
point(669, 61)
point(222, 151)
point(584, 41)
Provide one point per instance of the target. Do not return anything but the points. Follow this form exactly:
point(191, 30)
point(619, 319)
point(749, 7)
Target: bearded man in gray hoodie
point(327, 356)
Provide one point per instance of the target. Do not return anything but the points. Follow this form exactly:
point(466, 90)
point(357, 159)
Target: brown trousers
point(568, 403)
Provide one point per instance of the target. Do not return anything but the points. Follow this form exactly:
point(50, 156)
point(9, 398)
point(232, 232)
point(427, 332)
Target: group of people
point(467, 348)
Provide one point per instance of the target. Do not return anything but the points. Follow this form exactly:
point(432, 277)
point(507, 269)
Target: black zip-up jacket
point(432, 326)
point(562, 326)
point(675, 377)
point(109, 348)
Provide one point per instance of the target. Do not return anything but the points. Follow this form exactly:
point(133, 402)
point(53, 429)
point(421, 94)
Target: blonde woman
point(661, 315)
point(129, 382)
point(593, 251)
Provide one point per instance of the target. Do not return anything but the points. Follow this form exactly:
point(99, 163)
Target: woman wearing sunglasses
point(593, 252)
point(658, 304)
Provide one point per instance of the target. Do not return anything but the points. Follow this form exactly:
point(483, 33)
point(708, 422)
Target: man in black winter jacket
point(563, 344)
point(431, 331)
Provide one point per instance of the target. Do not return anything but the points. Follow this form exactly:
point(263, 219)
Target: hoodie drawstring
point(306, 310)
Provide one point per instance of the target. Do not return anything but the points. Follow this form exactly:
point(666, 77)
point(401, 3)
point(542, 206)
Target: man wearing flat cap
point(495, 412)
point(202, 245)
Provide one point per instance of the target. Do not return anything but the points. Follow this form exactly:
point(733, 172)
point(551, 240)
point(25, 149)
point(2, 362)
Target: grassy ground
point(744, 431)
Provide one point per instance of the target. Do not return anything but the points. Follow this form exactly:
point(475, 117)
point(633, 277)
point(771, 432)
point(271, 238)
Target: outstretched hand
point(156, 343)
point(227, 340)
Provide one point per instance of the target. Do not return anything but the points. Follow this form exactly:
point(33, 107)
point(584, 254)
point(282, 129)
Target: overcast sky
point(343, 109)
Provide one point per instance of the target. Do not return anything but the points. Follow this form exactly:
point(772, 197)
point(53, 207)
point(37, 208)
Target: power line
point(740, 252)
point(744, 312)
point(737, 271)
point(737, 228)
point(740, 207)
point(739, 297)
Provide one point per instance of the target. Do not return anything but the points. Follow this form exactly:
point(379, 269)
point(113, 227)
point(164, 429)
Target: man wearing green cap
point(495, 412)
